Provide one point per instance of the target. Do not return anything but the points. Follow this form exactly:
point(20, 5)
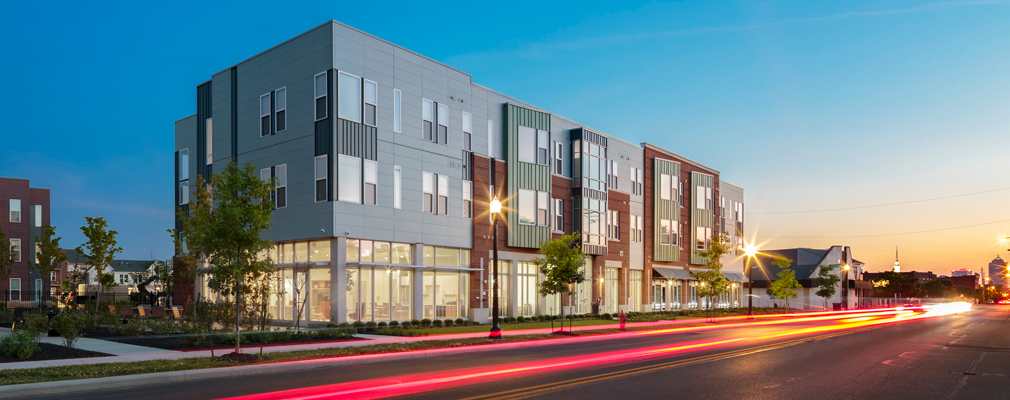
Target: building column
point(418, 281)
point(338, 279)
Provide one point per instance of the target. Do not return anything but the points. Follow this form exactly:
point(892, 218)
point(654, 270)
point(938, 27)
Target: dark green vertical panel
point(700, 217)
point(663, 209)
point(523, 175)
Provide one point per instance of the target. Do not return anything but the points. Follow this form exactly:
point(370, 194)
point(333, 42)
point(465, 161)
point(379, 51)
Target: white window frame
point(397, 188)
point(209, 122)
point(281, 172)
point(325, 176)
point(490, 138)
point(360, 93)
point(358, 179)
point(442, 194)
point(467, 131)
point(262, 115)
point(317, 96)
point(15, 210)
point(522, 136)
point(441, 110)
point(431, 180)
point(664, 187)
point(428, 105)
point(613, 225)
point(521, 204)
point(467, 199)
point(559, 158)
point(12, 290)
point(365, 103)
point(559, 215)
point(16, 249)
point(38, 216)
point(543, 138)
point(370, 180)
point(281, 93)
point(543, 205)
point(668, 224)
point(397, 109)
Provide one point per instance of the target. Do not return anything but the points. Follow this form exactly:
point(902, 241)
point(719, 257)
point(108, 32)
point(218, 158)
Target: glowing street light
point(845, 285)
point(751, 251)
point(495, 211)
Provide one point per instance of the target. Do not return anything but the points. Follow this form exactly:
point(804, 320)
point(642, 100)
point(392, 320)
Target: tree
point(827, 282)
point(6, 257)
point(939, 288)
point(897, 284)
point(783, 288)
point(225, 231)
point(561, 263)
point(713, 282)
point(50, 255)
point(101, 251)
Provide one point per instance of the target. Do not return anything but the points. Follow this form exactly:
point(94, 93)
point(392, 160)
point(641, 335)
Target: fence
point(25, 299)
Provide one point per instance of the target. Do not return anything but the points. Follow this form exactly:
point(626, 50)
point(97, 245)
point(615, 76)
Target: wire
point(878, 205)
point(883, 234)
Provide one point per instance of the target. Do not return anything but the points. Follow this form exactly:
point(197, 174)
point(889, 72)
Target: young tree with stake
point(101, 251)
point(561, 263)
point(713, 282)
point(49, 255)
point(783, 288)
point(827, 282)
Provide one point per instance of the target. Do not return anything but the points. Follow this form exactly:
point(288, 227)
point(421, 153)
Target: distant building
point(806, 262)
point(965, 281)
point(122, 270)
point(997, 271)
point(23, 212)
point(961, 272)
point(923, 277)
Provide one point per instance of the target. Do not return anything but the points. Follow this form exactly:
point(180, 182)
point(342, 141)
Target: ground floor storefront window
point(445, 294)
point(610, 290)
point(692, 295)
point(634, 290)
point(379, 294)
point(503, 288)
point(527, 288)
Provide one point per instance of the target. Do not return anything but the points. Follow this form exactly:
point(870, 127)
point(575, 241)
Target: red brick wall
point(18, 189)
point(616, 250)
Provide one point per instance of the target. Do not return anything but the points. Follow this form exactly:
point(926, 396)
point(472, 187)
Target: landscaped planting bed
point(48, 351)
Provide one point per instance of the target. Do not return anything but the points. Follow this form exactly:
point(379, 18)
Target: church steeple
point(897, 267)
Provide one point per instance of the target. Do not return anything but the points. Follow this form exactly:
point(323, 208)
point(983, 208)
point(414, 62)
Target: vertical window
point(183, 177)
point(467, 199)
point(349, 97)
point(527, 207)
point(559, 159)
point(612, 177)
point(443, 193)
point(699, 197)
point(543, 139)
point(709, 200)
point(428, 183)
point(490, 138)
point(267, 176)
point(443, 123)
point(349, 178)
point(280, 108)
point(38, 216)
point(210, 141)
point(371, 100)
point(16, 249)
point(613, 225)
point(282, 185)
point(321, 90)
point(265, 115)
point(664, 187)
point(15, 289)
point(396, 187)
point(641, 228)
point(467, 130)
point(700, 245)
point(641, 180)
point(665, 233)
point(559, 215)
point(543, 205)
point(428, 119)
point(322, 175)
point(15, 210)
point(527, 144)
point(371, 181)
point(396, 110)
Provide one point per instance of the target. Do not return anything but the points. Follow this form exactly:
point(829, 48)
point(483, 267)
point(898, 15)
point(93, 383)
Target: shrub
point(370, 326)
point(196, 339)
point(331, 334)
point(36, 325)
point(425, 322)
point(228, 338)
point(382, 325)
point(415, 323)
point(282, 335)
point(20, 344)
point(132, 328)
point(394, 324)
point(521, 319)
point(607, 316)
point(460, 321)
point(344, 325)
point(448, 322)
point(162, 327)
point(331, 325)
point(68, 325)
point(6, 314)
point(359, 326)
point(437, 323)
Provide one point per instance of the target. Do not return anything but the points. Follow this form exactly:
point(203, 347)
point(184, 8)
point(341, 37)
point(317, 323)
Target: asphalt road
point(962, 356)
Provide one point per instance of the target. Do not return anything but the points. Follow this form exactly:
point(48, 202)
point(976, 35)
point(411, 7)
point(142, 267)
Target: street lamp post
point(845, 286)
point(495, 211)
point(750, 251)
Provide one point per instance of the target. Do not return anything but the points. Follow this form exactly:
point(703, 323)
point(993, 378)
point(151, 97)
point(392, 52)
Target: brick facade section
point(12, 188)
point(619, 250)
point(561, 188)
point(686, 168)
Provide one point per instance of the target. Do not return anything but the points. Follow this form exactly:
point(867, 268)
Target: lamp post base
point(495, 332)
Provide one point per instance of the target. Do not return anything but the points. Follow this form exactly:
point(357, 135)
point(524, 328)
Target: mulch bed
point(49, 351)
point(183, 343)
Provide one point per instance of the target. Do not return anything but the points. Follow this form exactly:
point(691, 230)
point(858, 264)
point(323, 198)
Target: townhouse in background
point(807, 262)
point(124, 272)
point(386, 161)
point(23, 212)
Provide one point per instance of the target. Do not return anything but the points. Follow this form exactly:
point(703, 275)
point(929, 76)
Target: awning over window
point(734, 276)
point(671, 273)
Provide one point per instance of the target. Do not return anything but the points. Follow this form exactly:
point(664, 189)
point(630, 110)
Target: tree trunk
point(238, 313)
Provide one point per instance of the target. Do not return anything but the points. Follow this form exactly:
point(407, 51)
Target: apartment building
point(386, 162)
point(23, 212)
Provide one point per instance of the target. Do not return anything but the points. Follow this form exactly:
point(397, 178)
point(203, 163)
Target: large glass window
point(503, 288)
point(319, 251)
point(379, 294)
point(447, 295)
point(527, 207)
point(381, 250)
point(527, 144)
point(319, 294)
point(594, 167)
point(322, 175)
point(401, 296)
point(352, 250)
point(382, 293)
point(301, 252)
point(349, 97)
point(526, 274)
point(634, 290)
point(351, 298)
point(286, 295)
point(594, 221)
point(367, 301)
point(349, 178)
point(446, 257)
point(320, 90)
point(611, 290)
point(400, 253)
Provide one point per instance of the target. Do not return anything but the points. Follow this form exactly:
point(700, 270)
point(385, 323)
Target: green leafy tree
point(898, 284)
point(827, 282)
point(100, 250)
point(225, 231)
point(939, 288)
point(6, 257)
point(713, 282)
point(50, 255)
point(784, 287)
point(561, 263)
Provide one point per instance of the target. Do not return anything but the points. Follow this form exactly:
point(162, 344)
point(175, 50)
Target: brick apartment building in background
point(23, 212)
point(386, 161)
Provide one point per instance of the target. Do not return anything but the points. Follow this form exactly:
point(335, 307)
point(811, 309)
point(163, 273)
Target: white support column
point(338, 279)
point(418, 281)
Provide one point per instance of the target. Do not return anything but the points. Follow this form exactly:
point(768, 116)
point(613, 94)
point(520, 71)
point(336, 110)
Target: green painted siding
point(663, 209)
point(700, 217)
point(523, 175)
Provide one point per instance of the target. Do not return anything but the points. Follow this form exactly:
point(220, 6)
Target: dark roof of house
point(803, 260)
point(73, 257)
point(130, 265)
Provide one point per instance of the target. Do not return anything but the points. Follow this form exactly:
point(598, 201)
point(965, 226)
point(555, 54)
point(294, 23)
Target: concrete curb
point(128, 381)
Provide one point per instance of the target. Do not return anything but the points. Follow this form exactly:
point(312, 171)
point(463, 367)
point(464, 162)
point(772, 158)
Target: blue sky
point(807, 105)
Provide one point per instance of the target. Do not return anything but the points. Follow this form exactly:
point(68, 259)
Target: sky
point(809, 106)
